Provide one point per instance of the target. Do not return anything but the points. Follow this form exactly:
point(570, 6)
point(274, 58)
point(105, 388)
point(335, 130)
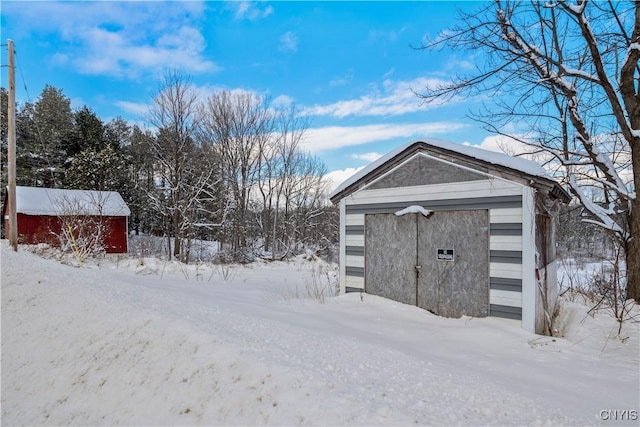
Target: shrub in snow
point(225, 272)
point(323, 282)
point(600, 284)
point(83, 235)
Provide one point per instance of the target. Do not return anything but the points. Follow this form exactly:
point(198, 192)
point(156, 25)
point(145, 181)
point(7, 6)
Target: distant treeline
point(228, 168)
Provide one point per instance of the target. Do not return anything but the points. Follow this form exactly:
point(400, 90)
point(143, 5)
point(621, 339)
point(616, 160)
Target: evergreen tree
point(118, 133)
point(43, 133)
point(96, 160)
point(102, 170)
point(140, 161)
point(88, 132)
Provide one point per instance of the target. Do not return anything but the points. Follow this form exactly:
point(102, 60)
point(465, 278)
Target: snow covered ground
point(160, 344)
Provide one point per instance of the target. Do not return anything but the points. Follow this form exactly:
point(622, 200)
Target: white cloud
point(243, 8)
point(456, 64)
point(389, 73)
point(332, 137)
point(391, 99)
point(206, 91)
point(337, 177)
point(112, 53)
point(503, 144)
point(391, 35)
point(137, 108)
point(514, 147)
point(59, 59)
point(252, 11)
point(121, 39)
point(77, 102)
point(369, 157)
point(289, 42)
point(440, 37)
point(203, 92)
point(281, 101)
point(342, 80)
point(466, 63)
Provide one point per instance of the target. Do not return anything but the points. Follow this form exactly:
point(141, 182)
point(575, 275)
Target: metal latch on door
point(417, 268)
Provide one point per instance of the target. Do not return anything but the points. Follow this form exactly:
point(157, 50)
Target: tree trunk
point(275, 230)
point(633, 247)
point(177, 237)
point(631, 97)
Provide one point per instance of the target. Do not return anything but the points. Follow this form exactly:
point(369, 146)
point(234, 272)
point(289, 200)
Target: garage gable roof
point(519, 165)
point(59, 202)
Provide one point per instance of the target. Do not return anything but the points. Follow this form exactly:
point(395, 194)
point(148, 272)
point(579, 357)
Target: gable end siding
point(424, 170)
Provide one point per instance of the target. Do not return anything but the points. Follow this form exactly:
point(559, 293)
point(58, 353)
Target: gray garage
point(456, 230)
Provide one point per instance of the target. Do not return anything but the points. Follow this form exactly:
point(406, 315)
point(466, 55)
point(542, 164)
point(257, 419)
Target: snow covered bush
point(322, 282)
point(143, 246)
point(598, 284)
point(225, 272)
point(79, 232)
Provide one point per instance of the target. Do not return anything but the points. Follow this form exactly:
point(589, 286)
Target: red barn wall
point(45, 229)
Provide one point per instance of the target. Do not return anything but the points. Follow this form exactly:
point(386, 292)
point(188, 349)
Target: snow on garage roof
point(515, 163)
point(59, 202)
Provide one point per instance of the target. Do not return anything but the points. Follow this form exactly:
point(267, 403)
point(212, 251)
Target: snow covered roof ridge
point(61, 202)
point(518, 164)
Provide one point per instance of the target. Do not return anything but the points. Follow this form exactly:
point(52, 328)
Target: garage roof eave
point(527, 169)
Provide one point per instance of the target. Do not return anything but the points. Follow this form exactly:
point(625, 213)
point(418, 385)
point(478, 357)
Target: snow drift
point(105, 346)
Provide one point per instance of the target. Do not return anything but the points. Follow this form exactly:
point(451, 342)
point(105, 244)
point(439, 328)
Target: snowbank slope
point(109, 347)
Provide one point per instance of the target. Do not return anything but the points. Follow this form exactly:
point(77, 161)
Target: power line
point(39, 138)
point(24, 82)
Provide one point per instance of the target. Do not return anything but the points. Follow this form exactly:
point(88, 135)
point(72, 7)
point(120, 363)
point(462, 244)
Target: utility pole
point(11, 155)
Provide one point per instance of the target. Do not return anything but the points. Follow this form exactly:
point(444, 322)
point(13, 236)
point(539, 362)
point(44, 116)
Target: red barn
point(43, 214)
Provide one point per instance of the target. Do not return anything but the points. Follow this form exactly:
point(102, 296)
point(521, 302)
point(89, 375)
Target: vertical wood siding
point(34, 229)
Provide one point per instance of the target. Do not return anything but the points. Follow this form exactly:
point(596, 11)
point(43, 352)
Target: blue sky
point(349, 66)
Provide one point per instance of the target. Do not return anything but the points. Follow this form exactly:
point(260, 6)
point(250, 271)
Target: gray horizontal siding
point(450, 204)
point(504, 311)
point(355, 250)
point(350, 289)
point(505, 229)
point(509, 257)
point(354, 271)
point(504, 284)
point(354, 229)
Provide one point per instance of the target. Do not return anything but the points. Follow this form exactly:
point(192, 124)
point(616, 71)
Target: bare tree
point(292, 187)
point(307, 199)
point(82, 223)
point(282, 160)
point(267, 182)
point(568, 72)
point(238, 125)
point(179, 175)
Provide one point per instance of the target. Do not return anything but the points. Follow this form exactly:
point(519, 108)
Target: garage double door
point(439, 263)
